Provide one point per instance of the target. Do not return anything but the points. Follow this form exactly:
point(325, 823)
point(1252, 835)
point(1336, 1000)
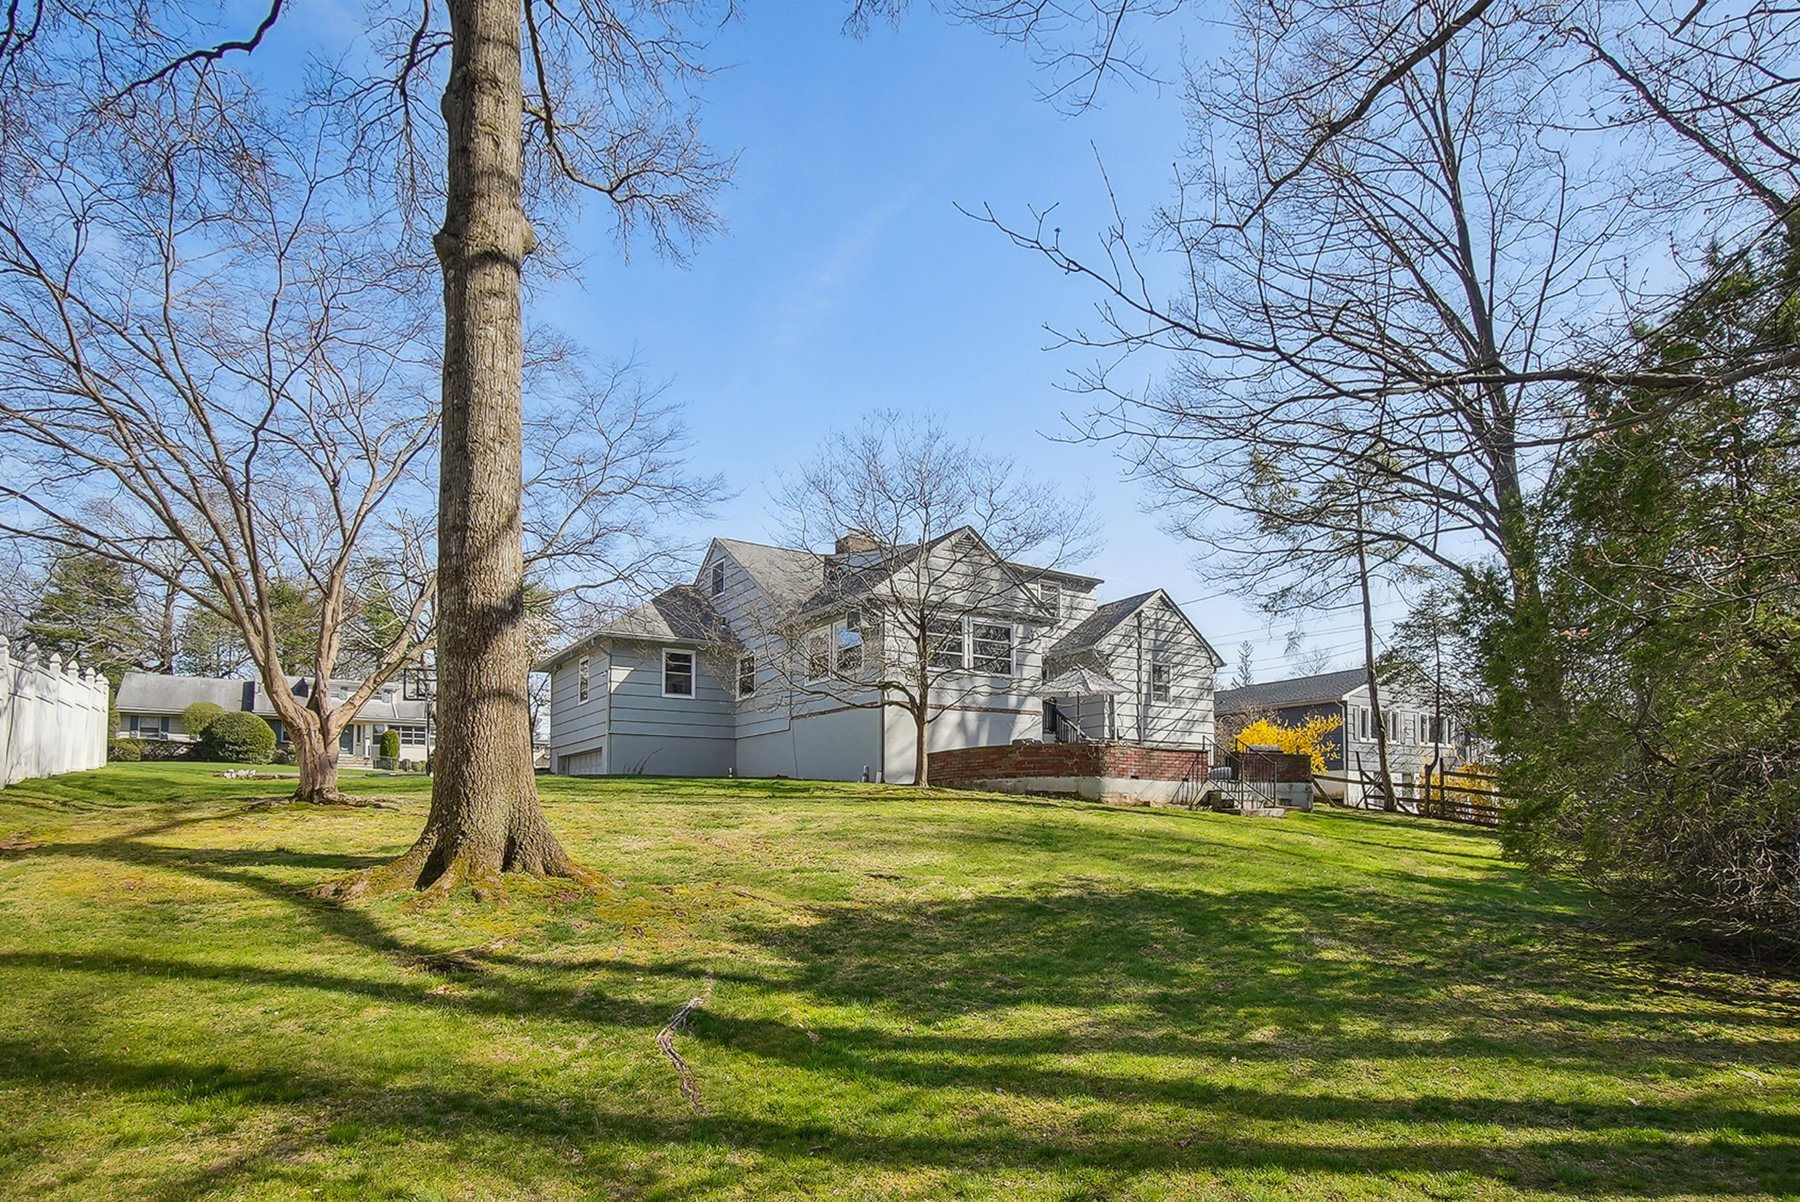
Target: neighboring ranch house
point(1418, 736)
point(150, 707)
point(757, 668)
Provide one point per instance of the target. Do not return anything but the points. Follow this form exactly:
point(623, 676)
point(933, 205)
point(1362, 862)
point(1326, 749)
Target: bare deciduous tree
point(925, 589)
point(214, 369)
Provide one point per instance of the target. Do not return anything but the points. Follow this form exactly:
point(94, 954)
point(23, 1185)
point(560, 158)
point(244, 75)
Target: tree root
point(352, 801)
point(665, 1039)
point(414, 870)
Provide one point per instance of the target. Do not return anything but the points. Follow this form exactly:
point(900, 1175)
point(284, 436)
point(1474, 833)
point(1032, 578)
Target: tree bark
point(317, 758)
point(485, 818)
point(1375, 712)
point(922, 750)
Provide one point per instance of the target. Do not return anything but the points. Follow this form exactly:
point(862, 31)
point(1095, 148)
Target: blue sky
point(847, 280)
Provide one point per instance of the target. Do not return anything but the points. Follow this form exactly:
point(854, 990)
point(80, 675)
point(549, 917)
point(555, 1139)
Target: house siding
point(1157, 634)
point(579, 727)
point(775, 732)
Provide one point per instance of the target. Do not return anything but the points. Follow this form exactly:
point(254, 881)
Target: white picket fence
point(52, 716)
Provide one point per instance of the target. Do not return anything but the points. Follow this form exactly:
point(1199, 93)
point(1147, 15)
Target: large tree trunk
point(485, 818)
point(317, 758)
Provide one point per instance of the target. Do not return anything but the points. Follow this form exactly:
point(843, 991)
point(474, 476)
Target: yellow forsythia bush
point(1308, 738)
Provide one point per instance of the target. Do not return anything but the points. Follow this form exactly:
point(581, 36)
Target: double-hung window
point(678, 673)
point(1050, 592)
point(849, 652)
point(746, 674)
point(993, 646)
point(1159, 682)
point(818, 657)
point(718, 577)
point(944, 642)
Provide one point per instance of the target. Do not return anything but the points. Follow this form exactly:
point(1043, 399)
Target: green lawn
point(937, 996)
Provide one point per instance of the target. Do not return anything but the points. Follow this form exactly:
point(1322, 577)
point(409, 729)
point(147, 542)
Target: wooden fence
point(1446, 796)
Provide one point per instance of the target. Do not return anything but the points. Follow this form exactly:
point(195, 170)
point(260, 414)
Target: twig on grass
point(665, 1039)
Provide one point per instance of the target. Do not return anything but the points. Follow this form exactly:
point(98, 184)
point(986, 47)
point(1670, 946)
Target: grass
point(938, 996)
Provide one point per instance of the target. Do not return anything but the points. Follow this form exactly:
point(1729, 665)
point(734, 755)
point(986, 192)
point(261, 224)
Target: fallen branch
point(665, 1039)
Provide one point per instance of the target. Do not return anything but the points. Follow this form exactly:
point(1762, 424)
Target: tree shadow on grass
point(1220, 1031)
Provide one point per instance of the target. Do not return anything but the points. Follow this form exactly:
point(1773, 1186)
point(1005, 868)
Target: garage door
point(585, 763)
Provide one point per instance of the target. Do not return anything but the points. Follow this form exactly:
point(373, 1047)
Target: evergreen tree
point(89, 612)
point(1672, 777)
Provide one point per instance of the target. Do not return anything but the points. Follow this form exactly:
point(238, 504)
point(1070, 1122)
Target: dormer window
point(1050, 592)
point(718, 577)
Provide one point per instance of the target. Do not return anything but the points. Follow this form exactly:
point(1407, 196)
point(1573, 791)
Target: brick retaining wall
point(1116, 760)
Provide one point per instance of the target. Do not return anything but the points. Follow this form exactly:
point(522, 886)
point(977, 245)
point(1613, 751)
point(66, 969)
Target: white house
point(150, 707)
point(768, 664)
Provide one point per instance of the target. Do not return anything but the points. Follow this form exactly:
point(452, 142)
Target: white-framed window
point(678, 673)
point(1439, 731)
point(411, 736)
point(993, 647)
point(1362, 721)
point(1159, 681)
point(746, 674)
point(853, 620)
point(1051, 593)
point(850, 647)
point(818, 657)
point(718, 577)
point(581, 677)
point(944, 642)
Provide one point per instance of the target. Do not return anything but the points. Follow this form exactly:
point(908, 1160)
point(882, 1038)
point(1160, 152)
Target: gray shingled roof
point(1300, 690)
point(147, 693)
point(678, 615)
point(786, 576)
point(1097, 625)
point(1103, 621)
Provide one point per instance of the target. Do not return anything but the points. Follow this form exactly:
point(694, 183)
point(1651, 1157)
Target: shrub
point(239, 738)
point(163, 750)
point(283, 755)
point(390, 744)
point(198, 716)
point(124, 751)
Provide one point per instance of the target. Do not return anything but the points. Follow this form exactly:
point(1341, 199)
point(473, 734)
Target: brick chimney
point(855, 542)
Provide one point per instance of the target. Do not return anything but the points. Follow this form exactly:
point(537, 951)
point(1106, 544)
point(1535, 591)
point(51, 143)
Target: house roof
point(859, 573)
point(1087, 634)
point(149, 693)
point(1300, 690)
point(682, 614)
point(785, 575)
point(1081, 682)
point(145, 693)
